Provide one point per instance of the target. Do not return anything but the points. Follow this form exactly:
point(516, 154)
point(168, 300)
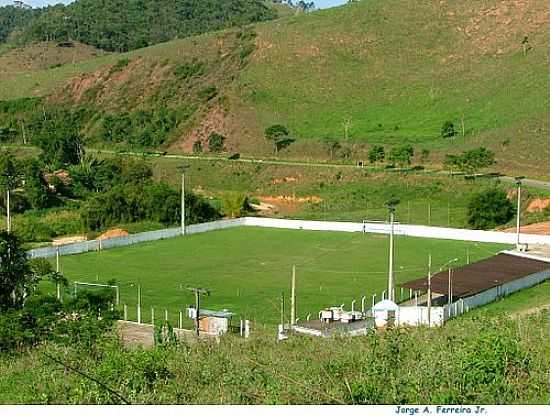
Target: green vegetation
point(520, 304)
point(471, 360)
point(63, 191)
point(356, 88)
point(279, 135)
point(248, 268)
point(489, 209)
point(13, 17)
point(143, 23)
point(470, 161)
point(215, 143)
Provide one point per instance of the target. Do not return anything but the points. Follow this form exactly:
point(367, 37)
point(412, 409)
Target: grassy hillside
point(384, 71)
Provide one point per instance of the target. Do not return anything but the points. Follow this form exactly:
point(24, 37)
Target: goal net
point(110, 291)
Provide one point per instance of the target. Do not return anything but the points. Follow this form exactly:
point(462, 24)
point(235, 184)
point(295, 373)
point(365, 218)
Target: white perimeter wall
point(379, 228)
point(401, 229)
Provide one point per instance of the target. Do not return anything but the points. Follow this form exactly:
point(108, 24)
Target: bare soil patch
point(541, 228)
point(288, 204)
point(538, 205)
point(117, 232)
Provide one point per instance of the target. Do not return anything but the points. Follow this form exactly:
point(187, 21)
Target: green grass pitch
point(246, 269)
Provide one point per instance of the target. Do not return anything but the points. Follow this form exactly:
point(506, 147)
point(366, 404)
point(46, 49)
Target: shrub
point(206, 94)
point(278, 134)
point(489, 209)
point(119, 66)
point(189, 70)
point(448, 130)
point(197, 146)
point(215, 142)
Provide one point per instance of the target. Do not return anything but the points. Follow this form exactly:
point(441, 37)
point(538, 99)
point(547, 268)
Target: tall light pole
point(519, 179)
point(391, 204)
point(183, 168)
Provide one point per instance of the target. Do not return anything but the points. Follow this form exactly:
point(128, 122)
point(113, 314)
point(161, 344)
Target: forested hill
point(13, 17)
point(123, 25)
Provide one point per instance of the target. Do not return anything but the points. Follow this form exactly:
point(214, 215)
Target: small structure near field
point(212, 322)
point(478, 284)
point(335, 321)
point(385, 313)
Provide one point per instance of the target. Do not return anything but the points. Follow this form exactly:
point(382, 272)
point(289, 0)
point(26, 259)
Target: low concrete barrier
point(378, 228)
point(400, 229)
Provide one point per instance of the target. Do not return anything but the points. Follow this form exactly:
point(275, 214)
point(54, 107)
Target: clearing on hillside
point(246, 269)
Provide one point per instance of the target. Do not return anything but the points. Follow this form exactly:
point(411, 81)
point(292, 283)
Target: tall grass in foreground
point(470, 360)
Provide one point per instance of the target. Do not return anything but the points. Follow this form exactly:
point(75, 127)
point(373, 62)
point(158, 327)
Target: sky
point(322, 4)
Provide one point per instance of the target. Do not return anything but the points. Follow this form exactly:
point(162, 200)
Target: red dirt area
point(117, 232)
point(541, 228)
point(538, 205)
point(287, 204)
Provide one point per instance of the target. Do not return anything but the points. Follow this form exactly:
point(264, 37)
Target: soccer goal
point(96, 287)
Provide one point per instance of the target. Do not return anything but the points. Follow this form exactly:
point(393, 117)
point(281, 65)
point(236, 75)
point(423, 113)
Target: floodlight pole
point(182, 203)
point(430, 291)
point(293, 298)
point(450, 294)
point(518, 215)
point(182, 219)
point(391, 277)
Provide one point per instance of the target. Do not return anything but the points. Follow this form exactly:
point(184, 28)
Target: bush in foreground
point(470, 360)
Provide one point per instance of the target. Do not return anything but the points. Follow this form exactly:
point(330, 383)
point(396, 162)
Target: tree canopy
point(123, 25)
point(489, 209)
point(16, 279)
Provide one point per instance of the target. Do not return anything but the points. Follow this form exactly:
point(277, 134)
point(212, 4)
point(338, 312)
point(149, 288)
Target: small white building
point(385, 313)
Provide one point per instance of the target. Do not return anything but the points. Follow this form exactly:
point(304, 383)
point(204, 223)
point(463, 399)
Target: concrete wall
point(401, 229)
point(418, 315)
point(97, 245)
point(464, 305)
point(379, 228)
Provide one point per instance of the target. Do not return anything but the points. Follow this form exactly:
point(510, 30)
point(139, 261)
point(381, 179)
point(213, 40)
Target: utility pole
point(8, 210)
point(293, 298)
point(198, 292)
point(23, 132)
point(139, 304)
point(519, 180)
point(182, 203)
point(391, 278)
point(450, 294)
point(283, 309)
point(430, 291)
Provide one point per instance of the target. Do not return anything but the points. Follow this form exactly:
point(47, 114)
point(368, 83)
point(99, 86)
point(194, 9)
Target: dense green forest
point(123, 25)
point(13, 17)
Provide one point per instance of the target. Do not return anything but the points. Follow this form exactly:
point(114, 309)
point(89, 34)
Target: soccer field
point(247, 268)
